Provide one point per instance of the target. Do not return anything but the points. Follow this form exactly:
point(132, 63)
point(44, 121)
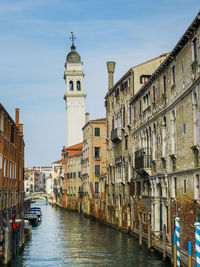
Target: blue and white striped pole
point(177, 232)
point(197, 241)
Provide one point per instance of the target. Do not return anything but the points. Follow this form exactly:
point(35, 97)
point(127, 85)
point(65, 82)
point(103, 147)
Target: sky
point(34, 42)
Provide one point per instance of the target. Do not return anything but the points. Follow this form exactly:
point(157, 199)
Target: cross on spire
point(73, 38)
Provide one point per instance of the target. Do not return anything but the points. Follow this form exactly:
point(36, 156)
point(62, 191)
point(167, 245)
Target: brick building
point(11, 163)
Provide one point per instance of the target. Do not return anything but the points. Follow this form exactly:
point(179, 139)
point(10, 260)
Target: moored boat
point(32, 217)
point(37, 211)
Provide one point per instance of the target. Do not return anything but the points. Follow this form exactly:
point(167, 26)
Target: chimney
point(111, 69)
point(21, 126)
point(17, 117)
point(87, 117)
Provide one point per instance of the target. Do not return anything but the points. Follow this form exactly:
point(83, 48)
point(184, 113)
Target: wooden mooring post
point(140, 231)
point(164, 243)
point(149, 233)
point(175, 251)
point(189, 254)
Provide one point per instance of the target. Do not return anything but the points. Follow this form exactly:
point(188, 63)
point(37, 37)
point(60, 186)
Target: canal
point(66, 239)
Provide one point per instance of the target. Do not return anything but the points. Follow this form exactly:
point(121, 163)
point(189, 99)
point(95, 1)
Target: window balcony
point(142, 159)
point(116, 135)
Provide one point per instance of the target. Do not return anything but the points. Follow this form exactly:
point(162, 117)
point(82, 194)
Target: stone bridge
point(40, 195)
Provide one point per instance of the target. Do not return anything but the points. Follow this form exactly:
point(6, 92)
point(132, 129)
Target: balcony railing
point(142, 159)
point(116, 134)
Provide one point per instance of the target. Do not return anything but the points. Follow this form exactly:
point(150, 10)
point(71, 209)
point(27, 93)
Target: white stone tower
point(74, 96)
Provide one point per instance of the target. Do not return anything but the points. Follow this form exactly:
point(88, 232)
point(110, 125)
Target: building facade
point(58, 183)
point(119, 137)
point(74, 182)
point(11, 163)
point(166, 140)
point(153, 150)
point(94, 162)
point(71, 158)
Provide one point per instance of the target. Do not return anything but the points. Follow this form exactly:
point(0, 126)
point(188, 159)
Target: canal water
point(66, 239)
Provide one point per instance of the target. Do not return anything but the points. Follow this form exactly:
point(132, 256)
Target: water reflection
point(66, 239)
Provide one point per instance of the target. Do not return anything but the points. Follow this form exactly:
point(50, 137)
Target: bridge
point(40, 195)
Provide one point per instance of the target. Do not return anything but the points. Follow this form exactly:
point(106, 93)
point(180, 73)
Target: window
point(159, 140)
point(79, 174)
point(130, 113)
point(7, 165)
point(194, 47)
point(184, 186)
point(10, 169)
point(184, 128)
point(71, 86)
point(144, 218)
point(174, 187)
point(173, 132)
point(154, 94)
point(113, 123)
point(2, 123)
point(140, 106)
point(164, 130)
point(1, 161)
point(12, 133)
point(71, 175)
point(196, 184)
point(74, 174)
point(78, 86)
point(68, 176)
point(96, 187)
point(134, 112)
point(182, 66)
point(158, 89)
point(96, 131)
point(138, 188)
point(173, 75)
point(15, 171)
point(164, 85)
point(144, 78)
point(97, 152)
point(116, 92)
point(126, 142)
point(195, 104)
point(123, 116)
point(124, 85)
point(97, 170)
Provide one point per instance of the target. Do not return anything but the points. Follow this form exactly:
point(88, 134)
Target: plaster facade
point(74, 97)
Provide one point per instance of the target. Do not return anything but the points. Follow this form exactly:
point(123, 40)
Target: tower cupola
point(73, 56)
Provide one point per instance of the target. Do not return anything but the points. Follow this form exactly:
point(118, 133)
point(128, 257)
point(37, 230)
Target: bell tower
point(74, 95)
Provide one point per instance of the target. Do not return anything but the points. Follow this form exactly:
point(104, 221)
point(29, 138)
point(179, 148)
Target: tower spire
point(73, 38)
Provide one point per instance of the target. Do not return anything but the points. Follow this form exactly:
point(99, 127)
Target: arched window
point(71, 86)
point(78, 86)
